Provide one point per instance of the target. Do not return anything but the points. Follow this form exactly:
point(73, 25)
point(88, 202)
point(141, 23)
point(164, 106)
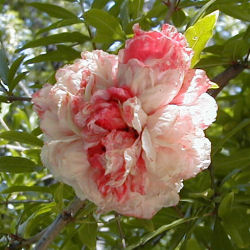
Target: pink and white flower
point(125, 131)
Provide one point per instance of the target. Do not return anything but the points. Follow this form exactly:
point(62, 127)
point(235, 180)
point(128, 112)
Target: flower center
point(113, 147)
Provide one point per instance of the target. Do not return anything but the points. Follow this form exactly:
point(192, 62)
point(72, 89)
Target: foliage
point(37, 37)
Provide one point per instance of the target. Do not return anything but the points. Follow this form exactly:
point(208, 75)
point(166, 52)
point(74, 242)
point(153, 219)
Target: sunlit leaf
point(199, 34)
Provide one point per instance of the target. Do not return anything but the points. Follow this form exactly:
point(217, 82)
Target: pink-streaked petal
point(155, 88)
point(66, 159)
point(53, 105)
point(133, 114)
point(195, 83)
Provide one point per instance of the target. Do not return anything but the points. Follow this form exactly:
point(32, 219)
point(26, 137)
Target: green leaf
point(99, 4)
point(108, 28)
point(200, 13)
point(199, 34)
point(4, 69)
point(226, 205)
point(124, 14)
point(144, 239)
point(212, 61)
point(87, 233)
point(239, 127)
point(58, 196)
point(3, 98)
point(223, 165)
point(220, 239)
point(74, 37)
point(135, 8)
point(179, 18)
point(22, 137)
point(59, 24)
point(16, 164)
point(37, 131)
point(62, 53)
point(53, 10)
point(14, 67)
point(239, 11)
point(15, 81)
point(236, 224)
point(235, 49)
point(14, 189)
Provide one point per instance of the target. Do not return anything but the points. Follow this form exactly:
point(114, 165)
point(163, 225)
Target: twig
point(81, 2)
point(118, 221)
point(171, 9)
point(223, 78)
point(60, 222)
point(19, 98)
point(23, 201)
point(211, 172)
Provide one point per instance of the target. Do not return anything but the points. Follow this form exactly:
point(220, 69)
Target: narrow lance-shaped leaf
point(16, 164)
point(158, 231)
point(107, 26)
point(15, 81)
point(14, 67)
point(59, 24)
point(4, 69)
point(62, 53)
point(53, 10)
point(21, 137)
point(14, 189)
point(220, 239)
point(237, 11)
point(199, 34)
point(200, 13)
point(57, 38)
point(87, 233)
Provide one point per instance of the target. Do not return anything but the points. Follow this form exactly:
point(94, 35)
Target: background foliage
point(37, 37)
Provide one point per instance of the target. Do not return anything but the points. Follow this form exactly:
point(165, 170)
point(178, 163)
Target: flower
point(125, 131)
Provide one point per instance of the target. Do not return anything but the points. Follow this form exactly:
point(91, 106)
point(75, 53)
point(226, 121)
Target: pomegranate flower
point(125, 131)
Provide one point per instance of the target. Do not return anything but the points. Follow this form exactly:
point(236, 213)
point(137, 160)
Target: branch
point(223, 78)
point(60, 222)
point(171, 9)
point(18, 98)
point(18, 243)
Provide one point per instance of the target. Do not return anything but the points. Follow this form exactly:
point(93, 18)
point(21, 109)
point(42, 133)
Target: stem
point(122, 236)
point(59, 223)
point(211, 172)
point(223, 78)
point(18, 98)
point(19, 243)
point(171, 9)
point(88, 28)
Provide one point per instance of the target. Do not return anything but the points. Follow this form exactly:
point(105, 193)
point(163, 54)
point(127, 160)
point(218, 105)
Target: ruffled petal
point(53, 105)
point(195, 83)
